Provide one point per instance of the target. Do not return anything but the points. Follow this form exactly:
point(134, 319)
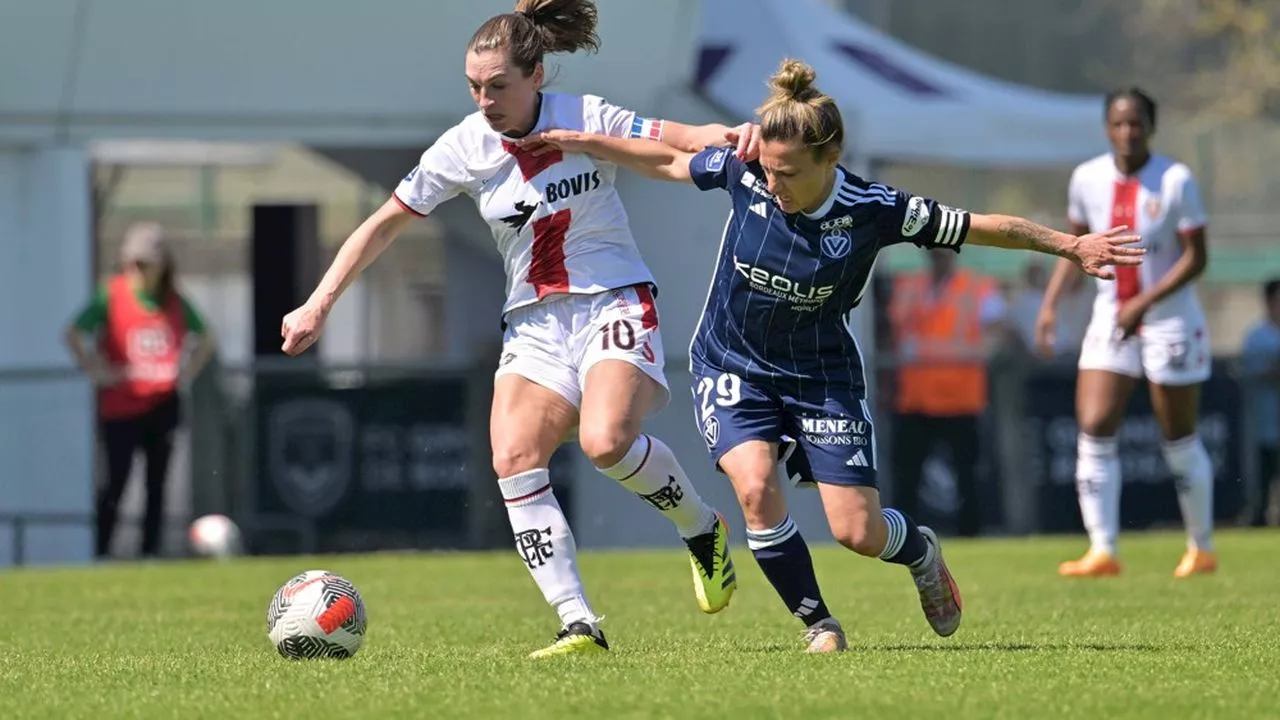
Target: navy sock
point(906, 546)
point(784, 558)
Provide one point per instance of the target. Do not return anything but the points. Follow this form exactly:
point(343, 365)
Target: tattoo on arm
point(1032, 236)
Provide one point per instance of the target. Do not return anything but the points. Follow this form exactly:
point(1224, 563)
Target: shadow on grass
point(770, 648)
point(1009, 647)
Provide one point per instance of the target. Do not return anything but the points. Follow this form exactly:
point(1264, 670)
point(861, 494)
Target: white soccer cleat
point(939, 596)
point(825, 636)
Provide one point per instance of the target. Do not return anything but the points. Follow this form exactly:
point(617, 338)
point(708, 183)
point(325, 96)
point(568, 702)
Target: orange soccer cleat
point(1196, 562)
point(1095, 563)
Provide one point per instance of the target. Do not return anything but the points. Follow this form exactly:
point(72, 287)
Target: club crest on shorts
point(711, 431)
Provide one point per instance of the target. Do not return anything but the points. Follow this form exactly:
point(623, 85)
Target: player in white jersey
point(1147, 322)
point(582, 346)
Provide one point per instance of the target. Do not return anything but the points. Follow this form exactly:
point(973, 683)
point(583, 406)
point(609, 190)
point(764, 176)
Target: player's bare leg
point(1101, 397)
point(525, 427)
point(1177, 408)
point(616, 398)
point(776, 543)
point(859, 523)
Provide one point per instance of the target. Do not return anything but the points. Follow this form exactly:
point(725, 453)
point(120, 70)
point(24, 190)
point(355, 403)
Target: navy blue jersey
point(784, 284)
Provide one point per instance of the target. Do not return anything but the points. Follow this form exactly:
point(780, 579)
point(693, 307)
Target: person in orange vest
point(140, 325)
point(944, 323)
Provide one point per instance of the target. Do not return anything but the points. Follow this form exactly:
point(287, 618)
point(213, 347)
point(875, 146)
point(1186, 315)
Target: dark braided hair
point(1146, 105)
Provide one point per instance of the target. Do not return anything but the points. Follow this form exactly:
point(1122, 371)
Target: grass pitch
point(449, 633)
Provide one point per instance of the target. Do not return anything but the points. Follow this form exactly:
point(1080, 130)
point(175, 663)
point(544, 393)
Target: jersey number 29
point(728, 390)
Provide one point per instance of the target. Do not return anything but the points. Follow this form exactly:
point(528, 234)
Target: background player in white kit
point(581, 346)
point(1148, 321)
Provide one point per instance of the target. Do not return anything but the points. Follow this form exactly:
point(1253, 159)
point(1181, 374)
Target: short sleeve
point(441, 173)
point(1191, 215)
point(716, 167)
point(918, 220)
point(94, 315)
point(193, 318)
point(1075, 200)
point(604, 118)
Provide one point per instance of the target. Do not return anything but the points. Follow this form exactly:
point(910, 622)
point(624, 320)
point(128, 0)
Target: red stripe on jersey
point(547, 272)
point(530, 164)
point(649, 319)
point(405, 205)
point(1124, 206)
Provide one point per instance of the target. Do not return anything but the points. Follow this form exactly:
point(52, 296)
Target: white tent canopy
point(893, 96)
point(384, 74)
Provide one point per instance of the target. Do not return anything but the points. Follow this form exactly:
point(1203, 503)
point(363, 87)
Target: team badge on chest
point(836, 243)
point(1153, 207)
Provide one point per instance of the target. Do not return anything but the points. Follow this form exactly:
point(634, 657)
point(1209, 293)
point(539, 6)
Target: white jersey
point(1160, 202)
point(556, 218)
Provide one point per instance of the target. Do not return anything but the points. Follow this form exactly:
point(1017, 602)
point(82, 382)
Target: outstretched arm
point(1094, 253)
point(652, 159)
point(301, 327)
point(745, 138)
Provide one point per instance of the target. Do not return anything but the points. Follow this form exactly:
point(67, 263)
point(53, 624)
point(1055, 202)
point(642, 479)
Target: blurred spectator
point(946, 324)
point(1071, 318)
point(1025, 300)
point(1260, 358)
point(139, 325)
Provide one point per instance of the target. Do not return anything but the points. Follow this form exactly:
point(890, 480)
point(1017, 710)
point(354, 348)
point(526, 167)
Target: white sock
point(650, 470)
point(1098, 487)
point(1193, 475)
point(545, 543)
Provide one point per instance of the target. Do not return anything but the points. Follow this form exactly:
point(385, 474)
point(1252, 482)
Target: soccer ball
point(317, 614)
point(214, 536)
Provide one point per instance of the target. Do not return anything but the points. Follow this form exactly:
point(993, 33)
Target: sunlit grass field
point(449, 635)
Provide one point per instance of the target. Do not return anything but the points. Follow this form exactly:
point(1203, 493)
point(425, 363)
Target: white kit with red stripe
point(1160, 202)
point(578, 291)
point(556, 218)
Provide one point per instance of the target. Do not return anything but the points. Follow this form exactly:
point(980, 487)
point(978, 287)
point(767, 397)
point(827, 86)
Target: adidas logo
point(859, 459)
point(807, 606)
point(759, 209)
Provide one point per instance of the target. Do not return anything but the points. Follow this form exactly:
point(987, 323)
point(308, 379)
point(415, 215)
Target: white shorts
point(1171, 351)
point(556, 342)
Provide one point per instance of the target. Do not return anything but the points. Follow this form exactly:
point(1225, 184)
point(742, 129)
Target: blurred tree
point(1212, 59)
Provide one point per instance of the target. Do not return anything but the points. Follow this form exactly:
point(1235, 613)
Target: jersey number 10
point(620, 332)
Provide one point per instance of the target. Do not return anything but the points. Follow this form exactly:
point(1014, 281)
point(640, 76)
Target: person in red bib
point(130, 340)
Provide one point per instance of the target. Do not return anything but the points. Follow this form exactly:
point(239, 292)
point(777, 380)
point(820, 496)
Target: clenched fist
point(301, 328)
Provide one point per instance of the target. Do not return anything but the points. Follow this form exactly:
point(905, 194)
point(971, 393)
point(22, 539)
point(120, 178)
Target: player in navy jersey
point(777, 372)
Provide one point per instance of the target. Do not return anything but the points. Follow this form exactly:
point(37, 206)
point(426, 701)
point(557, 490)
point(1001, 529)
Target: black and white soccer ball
point(317, 614)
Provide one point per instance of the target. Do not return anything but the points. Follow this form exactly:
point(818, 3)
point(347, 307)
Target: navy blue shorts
point(826, 436)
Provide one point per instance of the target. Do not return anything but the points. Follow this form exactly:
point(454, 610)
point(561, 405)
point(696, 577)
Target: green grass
point(449, 634)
